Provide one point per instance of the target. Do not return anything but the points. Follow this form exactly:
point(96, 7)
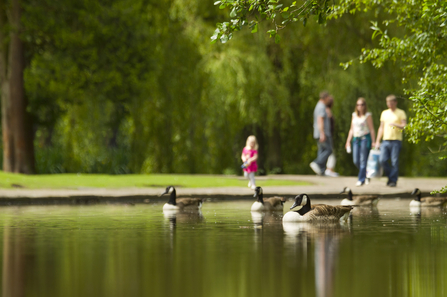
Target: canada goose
point(427, 201)
point(182, 203)
point(268, 204)
point(317, 212)
point(360, 200)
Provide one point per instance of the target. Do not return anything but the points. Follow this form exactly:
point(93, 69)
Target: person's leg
point(396, 145)
point(251, 176)
point(331, 162)
point(324, 151)
point(356, 153)
point(330, 165)
point(316, 167)
point(247, 177)
point(384, 157)
point(364, 152)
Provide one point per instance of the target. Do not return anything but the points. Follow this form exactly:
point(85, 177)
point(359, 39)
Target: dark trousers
point(324, 151)
point(360, 152)
point(389, 150)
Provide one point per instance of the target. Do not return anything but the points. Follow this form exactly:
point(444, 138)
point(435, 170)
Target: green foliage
point(124, 86)
point(409, 34)
point(413, 35)
point(250, 13)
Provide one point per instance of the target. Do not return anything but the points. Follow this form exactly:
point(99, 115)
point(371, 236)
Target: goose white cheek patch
point(304, 201)
point(170, 190)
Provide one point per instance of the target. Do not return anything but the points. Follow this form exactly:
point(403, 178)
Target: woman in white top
point(362, 136)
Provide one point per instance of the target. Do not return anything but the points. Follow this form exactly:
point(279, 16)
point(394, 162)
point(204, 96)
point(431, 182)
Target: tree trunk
point(18, 151)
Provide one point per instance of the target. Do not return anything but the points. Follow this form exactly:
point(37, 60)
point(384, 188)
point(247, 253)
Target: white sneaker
point(358, 184)
point(331, 173)
point(253, 187)
point(315, 168)
point(249, 184)
point(367, 181)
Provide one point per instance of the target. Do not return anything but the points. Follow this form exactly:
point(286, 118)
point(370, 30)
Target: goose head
point(347, 190)
point(418, 194)
point(170, 190)
point(301, 201)
point(259, 195)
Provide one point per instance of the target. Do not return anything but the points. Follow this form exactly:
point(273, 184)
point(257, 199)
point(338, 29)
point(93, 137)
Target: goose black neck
point(261, 198)
point(350, 195)
point(418, 197)
point(306, 208)
point(172, 198)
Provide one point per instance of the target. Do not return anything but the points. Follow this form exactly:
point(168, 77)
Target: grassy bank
point(59, 181)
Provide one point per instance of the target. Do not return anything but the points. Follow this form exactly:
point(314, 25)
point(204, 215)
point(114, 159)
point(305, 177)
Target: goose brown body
point(359, 200)
point(317, 212)
point(427, 201)
point(327, 212)
point(189, 202)
point(274, 203)
point(180, 203)
point(267, 204)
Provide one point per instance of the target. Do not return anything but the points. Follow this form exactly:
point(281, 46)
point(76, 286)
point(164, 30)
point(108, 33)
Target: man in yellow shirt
point(392, 123)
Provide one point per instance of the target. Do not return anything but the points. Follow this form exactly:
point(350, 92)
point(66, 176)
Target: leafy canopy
point(410, 33)
point(250, 13)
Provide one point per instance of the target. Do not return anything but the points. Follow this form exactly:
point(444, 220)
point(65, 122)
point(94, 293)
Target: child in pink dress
point(249, 157)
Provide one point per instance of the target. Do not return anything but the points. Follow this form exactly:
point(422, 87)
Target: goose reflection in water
point(183, 216)
point(266, 218)
point(266, 223)
point(364, 213)
point(432, 213)
point(324, 238)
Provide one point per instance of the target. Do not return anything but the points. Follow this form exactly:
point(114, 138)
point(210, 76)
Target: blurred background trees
point(121, 86)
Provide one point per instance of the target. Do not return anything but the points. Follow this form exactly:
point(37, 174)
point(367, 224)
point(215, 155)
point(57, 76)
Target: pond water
point(125, 250)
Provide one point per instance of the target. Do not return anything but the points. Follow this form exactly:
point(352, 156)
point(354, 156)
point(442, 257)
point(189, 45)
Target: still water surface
point(123, 250)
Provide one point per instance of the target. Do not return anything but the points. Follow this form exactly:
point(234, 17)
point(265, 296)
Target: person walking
point(392, 123)
point(362, 136)
point(249, 157)
point(322, 134)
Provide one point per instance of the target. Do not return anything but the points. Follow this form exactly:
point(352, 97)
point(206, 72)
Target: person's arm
point(370, 124)
point(402, 125)
point(320, 123)
point(254, 158)
point(350, 134)
point(379, 135)
point(243, 157)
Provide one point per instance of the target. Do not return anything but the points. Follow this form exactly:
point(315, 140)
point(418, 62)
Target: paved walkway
point(320, 187)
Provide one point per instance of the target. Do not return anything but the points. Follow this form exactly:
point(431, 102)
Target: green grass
point(70, 181)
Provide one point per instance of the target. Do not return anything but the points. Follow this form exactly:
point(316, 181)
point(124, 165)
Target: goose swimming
point(267, 204)
point(360, 200)
point(181, 203)
point(317, 212)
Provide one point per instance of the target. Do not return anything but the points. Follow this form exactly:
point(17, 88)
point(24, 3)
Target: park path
point(320, 187)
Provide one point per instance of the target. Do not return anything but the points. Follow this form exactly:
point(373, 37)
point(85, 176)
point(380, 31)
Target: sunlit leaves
point(420, 50)
point(244, 12)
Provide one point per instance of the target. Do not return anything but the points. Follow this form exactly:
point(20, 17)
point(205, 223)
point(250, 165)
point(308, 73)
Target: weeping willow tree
point(124, 86)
